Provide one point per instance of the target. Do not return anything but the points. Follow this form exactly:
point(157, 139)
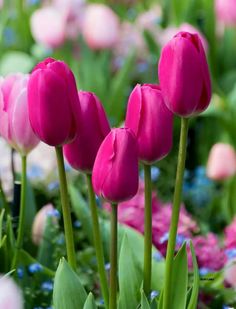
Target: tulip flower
point(226, 11)
point(93, 128)
point(48, 27)
point(100, 27)
point(11, 297)
point(53, 102)
point(15, 126)
point(151, 121)
point(221, 162)
point(184, 76)
point(230, 272)
point(115, 171)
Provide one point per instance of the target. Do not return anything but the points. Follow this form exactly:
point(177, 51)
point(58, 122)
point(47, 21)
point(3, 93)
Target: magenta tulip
point(151, 121)
point(115, 171)
point(15, 126)
point(184, 75)
point(93, 128)
point(53, 102)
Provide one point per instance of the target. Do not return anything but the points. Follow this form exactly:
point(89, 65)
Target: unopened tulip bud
point(15, 125)
point(100, 26)
point(93, 128)
point(184, 75)
point(39, 222)
point(115, 171)
point(151, 121)
point(221, 162)
point(11, 296)
point(53, 102)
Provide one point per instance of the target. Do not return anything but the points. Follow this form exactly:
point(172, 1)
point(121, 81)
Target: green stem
point(66, 209)
point(20, 232)
point(113, 258)
point(4, 199)
point(175, 212)
point(147, 231)
point(97, 241)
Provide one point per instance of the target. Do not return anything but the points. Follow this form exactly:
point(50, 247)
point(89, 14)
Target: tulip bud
point(221, 162)
point(92, 130)
point(151, 121)
point(226, 11)
point(10, 294)
point(53, 102)
point(48, 27)
point(15, 126)
point(39, 222)
point(230, 272)
point(115, 171)
point(100, 26)
point(184, 76)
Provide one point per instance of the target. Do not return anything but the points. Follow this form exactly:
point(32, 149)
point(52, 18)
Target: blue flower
point(77, 224)
point(204, 271)
point(53, 185)
point(154, 294)
point(35, 268)
point(231, 253)
point(20, 272)
point(157, 256)
point(47, 286)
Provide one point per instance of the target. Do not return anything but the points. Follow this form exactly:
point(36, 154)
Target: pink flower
point(53, 102)
point(15, 126)
point(115, 171)
point(186, 92)
point(151, 121)
point(221, 162)
point(93, 128)
point(11, 297)
point(230, 235)
point(226, 11)
point(39, 222)
point(230, 272)
point(48, 26)
point(100, 26)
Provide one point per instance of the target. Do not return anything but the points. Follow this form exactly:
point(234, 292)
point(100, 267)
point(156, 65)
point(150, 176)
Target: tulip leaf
point(179, 280)
point(144, 301)
point(90, 302)
point(194, 294)
point(68, 291)
point(129, 277)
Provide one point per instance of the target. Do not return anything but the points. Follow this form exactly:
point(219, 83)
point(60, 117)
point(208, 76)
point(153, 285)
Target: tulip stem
point(70, 248)
point(113, 258)
point(20, 232)
point(97, 241)
point(175, 212)
point(147, 269)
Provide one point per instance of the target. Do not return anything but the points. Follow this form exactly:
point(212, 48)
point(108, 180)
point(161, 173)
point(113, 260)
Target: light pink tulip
point(15, 126)
point(100, 27)
point(10, 294)
point(230, 272)
point(40, 222)
point(221, 162)
point(226, 11)
point(48, 27)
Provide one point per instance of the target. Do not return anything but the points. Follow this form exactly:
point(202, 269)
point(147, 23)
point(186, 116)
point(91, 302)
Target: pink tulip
point(115, 171)
point(11, 296)
point(184, 76)
point(100, 27)
point(230, 232)
point(53, 102)
point(93, 128)
point(230, 272)
point(48, 26)
point(151, 121)
point(221, 162)
point(39, 222)
point(15, 126)
point(226, 11)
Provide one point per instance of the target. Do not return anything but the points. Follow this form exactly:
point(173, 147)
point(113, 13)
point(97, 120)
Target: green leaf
point(16, 61)
point(129, 277)
point(90, 302)
point(1, 223)
point(68, 291)
point(194, 295)
point(144, 301)
point(179, 280)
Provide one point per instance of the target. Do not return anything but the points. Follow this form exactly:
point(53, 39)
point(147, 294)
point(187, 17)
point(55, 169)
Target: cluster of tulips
point(46, 106)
